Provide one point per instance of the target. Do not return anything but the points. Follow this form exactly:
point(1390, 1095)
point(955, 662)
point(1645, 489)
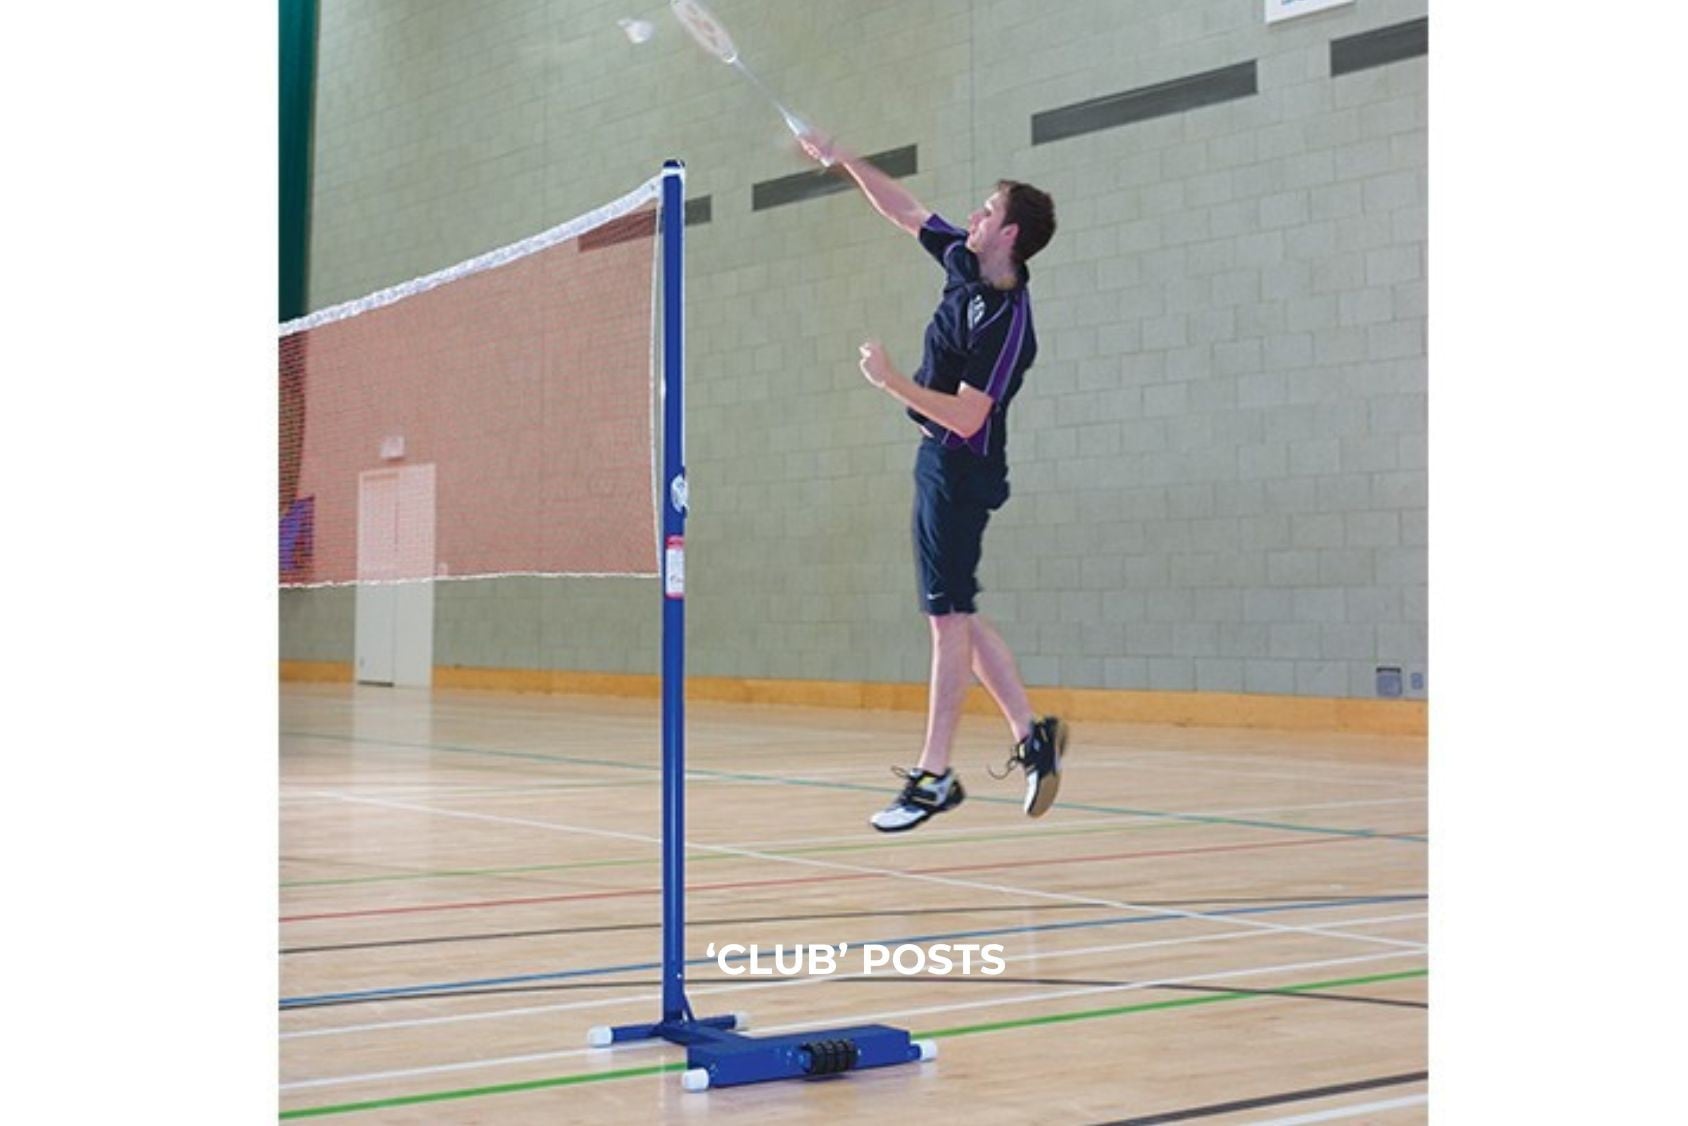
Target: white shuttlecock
point(638, 31)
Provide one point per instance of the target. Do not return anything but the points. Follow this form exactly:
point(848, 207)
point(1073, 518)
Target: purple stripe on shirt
point(979, 443)
point(1010, 356)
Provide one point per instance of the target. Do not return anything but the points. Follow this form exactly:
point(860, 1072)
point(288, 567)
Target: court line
point(724, 986)
point(930, 838)
point(857, 868)
point(739, 885)
point(702, 726)
point(999, 1026)
point(933, 838)
point(837, 1018)
point(1342, 1112)
point(447, 705)
point(1178, 1003)
point(467, 790)
point(1135, 760)
point(851, 786)
point(500, 707)
point(1258, 1102)
point(805, 918)
point(782, 983)
point(1097, 823)
point(292, 1004)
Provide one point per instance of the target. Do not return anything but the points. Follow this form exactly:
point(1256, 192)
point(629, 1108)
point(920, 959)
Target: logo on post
point(674, 568)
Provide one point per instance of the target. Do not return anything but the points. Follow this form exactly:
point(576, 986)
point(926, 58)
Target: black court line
point(1295, 995)
point(1113, 110)
point(1384, 45)
point(1305, 1095)
point(655, 982)
point(891, 979)
point(895, 163)
point(608, 928)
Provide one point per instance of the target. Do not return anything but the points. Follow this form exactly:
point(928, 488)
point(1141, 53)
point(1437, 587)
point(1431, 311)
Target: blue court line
point(601, 971)
point(1154, 814)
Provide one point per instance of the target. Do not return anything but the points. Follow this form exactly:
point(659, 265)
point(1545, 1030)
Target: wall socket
point(1394, 682)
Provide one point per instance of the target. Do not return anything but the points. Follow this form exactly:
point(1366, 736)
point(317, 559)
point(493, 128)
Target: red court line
point(831, 877)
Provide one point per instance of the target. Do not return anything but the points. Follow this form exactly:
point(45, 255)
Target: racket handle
point(799, 128)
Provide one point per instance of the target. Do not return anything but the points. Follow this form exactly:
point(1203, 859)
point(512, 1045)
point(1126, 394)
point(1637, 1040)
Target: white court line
point(1132, 760)
point(781, 983)
point(1122, 822)
point(458, 790)
point(830, 865)
point(739, 987)
point(1416, 779)
point(868, 1018)
point(1342, 1112)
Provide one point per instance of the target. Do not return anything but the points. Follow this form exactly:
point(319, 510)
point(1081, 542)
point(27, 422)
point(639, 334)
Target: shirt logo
point(975, 311)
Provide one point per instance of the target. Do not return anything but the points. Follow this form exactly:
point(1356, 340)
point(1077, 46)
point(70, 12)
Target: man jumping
point(977, 350)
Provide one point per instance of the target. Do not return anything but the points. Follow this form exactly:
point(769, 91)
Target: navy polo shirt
point(980, 335)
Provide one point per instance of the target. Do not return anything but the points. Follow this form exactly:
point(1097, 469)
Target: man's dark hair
point(1033, 212)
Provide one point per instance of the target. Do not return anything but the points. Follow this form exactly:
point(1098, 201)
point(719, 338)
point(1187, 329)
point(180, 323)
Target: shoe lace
point(1016, 758)
point(911, 781)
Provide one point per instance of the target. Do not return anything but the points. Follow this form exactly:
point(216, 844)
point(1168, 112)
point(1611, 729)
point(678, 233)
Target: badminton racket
point(712, 36)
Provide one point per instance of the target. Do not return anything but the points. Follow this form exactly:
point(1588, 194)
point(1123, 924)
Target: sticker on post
point(674, 568)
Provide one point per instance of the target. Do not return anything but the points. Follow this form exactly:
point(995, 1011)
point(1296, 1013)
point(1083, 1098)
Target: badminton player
point(977, 350)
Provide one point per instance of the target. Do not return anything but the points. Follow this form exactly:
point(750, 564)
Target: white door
point(394, 642)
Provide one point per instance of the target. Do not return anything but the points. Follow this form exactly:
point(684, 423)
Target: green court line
point(961, 1030)
point(1159, 815)
point(1152, 1006)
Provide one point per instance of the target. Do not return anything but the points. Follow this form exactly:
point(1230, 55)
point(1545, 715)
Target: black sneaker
point(923, 796)
point(1039, 755)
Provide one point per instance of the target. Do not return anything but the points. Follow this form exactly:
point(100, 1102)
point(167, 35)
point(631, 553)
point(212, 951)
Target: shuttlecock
point(637, 31)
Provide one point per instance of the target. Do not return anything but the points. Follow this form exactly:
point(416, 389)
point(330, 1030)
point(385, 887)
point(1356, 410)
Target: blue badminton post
point(673, 215)
point(716, 1056)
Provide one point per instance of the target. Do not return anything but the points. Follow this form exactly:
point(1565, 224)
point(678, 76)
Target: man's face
point(985, 226)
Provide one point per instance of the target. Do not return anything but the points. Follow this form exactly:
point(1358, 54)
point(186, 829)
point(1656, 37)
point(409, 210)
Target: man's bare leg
point(952, 662)
point(993, 664)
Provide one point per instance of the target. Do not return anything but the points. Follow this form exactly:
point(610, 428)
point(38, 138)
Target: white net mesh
point(493, 418)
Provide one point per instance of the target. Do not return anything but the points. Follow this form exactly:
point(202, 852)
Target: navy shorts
point(955, 492)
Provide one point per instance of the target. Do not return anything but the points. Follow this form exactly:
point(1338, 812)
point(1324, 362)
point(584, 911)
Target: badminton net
point(492, 418)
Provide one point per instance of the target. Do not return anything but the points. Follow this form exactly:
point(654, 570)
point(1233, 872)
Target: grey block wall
point(1219, 460)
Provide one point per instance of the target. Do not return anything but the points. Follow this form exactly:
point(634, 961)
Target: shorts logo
point(975, 311)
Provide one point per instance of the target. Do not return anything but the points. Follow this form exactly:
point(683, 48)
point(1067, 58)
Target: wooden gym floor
point(1212, 926)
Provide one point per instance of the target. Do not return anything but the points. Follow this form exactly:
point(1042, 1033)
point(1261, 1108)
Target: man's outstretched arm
point(888, 197)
